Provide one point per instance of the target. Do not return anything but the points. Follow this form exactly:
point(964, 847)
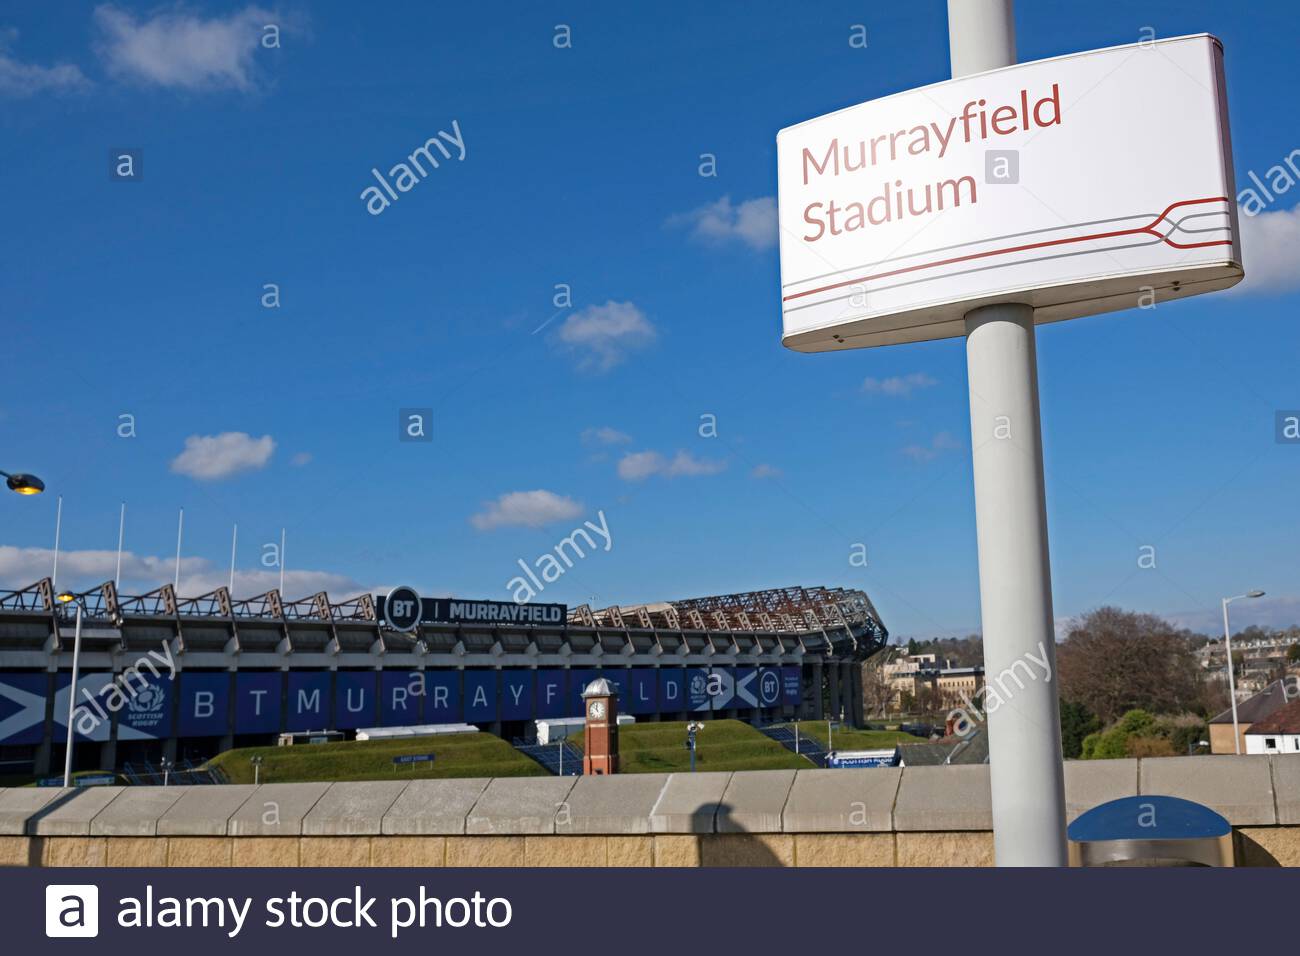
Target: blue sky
point(581, 170)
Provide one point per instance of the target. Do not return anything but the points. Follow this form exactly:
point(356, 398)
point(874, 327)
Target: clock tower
point(600, 702)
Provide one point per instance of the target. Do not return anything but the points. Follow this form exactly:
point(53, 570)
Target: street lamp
point(67, 597)
point(166, 769)
point(257, 768)
point(692, 728)
point(23, 484)
point(1232, 682)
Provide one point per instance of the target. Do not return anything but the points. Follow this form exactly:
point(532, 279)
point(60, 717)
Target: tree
point(1077, 722)
point(1293, 653)
point(876, 690)
point(1113, 661)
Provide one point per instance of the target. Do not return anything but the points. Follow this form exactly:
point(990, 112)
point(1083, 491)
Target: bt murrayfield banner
point(1080, 184)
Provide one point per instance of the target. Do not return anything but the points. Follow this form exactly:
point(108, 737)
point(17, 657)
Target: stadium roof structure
point(788, 625)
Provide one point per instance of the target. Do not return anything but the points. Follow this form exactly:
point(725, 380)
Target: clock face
point(597, 710)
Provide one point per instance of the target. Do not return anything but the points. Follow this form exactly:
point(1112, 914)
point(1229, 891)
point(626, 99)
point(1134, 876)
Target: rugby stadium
point(163, 679)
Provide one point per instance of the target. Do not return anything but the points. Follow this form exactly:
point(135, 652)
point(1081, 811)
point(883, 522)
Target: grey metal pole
point(72, 701)
point(1232, 682)
point(1026, 775)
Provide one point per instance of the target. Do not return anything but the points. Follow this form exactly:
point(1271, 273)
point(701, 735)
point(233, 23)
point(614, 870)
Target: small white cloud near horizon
point(182, 50)
point(898, 386)
point(1270, 248)
point(765, 471)
point(212, 457)
point(604, 436)
point(602, 336)
point(753, 222)
point(28, 79)
point(300, 459)
point(940, 443)
point(527, 509)
point(640, 465)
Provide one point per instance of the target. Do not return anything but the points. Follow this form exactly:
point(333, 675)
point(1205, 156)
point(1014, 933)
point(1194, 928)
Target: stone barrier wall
point(923, 816)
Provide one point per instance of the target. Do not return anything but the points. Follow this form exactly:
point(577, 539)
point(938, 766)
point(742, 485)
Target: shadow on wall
point(1250, 853)
point(725, 847)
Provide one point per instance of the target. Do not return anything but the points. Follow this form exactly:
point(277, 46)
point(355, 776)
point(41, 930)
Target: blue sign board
point(790, 689)
point(769, 687)
point(354, 700)
point(672, 690)
point(205, 704)
point(22, 708)
point(147, 713)
point(400, 695)
point(578, 681)
point(697, 688)
point(308, 703)
point(642, 694)
point(552, 687)
point(480, 696)
point(257, 702)
point(414, 758)
point(517, 694)
point(442, 697)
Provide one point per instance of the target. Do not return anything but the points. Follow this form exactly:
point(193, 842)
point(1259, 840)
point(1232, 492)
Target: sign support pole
point(1026, 775)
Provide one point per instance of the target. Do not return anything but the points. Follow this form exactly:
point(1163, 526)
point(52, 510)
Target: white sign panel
point(1080, 184)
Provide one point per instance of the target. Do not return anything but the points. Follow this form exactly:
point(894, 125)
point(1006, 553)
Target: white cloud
point(28, 79)
point(605, 436)
point(1270, 246)
point(300, 459)
point(637, 466)
point(941, 442)
point(765, 471)
point(752, 223)
point(182, 50)
point(898, 385)
point(209, 457)
point(140, 573)
point(529, 509)
point(603, 335)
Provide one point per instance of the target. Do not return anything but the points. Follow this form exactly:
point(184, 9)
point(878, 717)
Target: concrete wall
point(924, 816)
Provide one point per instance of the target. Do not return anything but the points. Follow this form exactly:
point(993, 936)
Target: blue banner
point(480, 696)
point(578, 681)
point(697, 688)
point(552, 687)
point(147, 714)
point(642, 692)
point(517, 694)
point(309, 701)
point(354, 700)
point(791, 694)
point(769, 687)
point(672, 690)
point(400, 695)
point(257, 702)
point(442, 697)
point(745, 687)
point(204, 703)
point(22, 707)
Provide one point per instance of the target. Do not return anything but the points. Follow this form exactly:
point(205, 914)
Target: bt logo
point(402, 609)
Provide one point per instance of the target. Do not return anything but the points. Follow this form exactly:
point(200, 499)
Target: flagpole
point(121, 531)
point(58, 527)
point(234, 535)
point(281, 562)
point(180, 526)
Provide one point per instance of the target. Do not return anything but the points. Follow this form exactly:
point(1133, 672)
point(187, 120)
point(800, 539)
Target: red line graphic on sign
point(1147, 230)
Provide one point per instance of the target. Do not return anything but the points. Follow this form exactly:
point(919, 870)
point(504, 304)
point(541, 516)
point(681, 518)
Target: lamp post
point(1232, 682)
point(257, 770)
point(23, 484)
point(166, 769)
point(67, 597)
point(692, 728)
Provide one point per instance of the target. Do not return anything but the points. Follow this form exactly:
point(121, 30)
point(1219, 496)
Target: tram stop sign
point(1079, 184)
